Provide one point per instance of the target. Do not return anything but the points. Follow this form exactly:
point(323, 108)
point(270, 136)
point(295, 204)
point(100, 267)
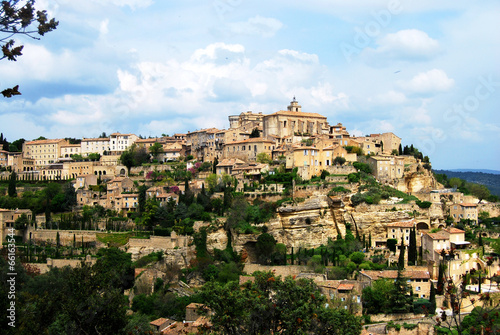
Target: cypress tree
point(370, 240)
point(401, 260)
point(12, 185)
point(292, 258)
point(432, 299)
point(440, 282)
point(412, 248)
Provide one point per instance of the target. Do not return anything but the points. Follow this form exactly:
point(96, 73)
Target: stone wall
point(492, 208)
point(395, 317)
point(160, 242)
point(290, 270)
point(65, 236)
point(60, 263)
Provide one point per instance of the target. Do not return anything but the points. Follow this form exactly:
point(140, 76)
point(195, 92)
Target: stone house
point(294, 121)
point(387, 166)
point(4, 158)
point(84, 181)
point(466, 211)
point(7, 219)
point(161, 324)
point(70, 149)
point(448, 195)
point(306, 159)
point(44, 152)
point(396, 230)
point(449, 246)
point(248, 150)
point(19, 163)
point(94, 145)
point(418, 277)
point(343, 293)
point(226, 166)
point(121, 142)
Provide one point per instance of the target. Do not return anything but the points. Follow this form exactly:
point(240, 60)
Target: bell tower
point(294, 106)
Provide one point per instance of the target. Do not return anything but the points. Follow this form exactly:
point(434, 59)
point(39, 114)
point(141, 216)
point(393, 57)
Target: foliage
point(263, 157)
point(20, 17)
point(272, 305)
point(423, 204)
point(362, 167)
point(12, 185)
point(375, 297)
point(339, 160)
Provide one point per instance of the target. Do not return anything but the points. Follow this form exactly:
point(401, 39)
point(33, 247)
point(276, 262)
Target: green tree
point(401, 259)
point(263, 158)
point(412, 248)
point(357, 257)
point(21, 18)
point(479, 191)
point(156, 149)
point(255, 133)
point(375, 297)
point(12, 185)
point(272, 305)
point(265, 247)
point(21, 222)
point(339, 160)
point(401, 299)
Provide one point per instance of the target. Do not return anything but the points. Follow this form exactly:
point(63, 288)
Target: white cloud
point(432, 81)
point(404, 45)
point(258, 25)
point(390, 98)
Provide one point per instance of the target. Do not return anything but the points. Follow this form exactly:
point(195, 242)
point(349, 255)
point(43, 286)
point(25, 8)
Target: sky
point(428, 71)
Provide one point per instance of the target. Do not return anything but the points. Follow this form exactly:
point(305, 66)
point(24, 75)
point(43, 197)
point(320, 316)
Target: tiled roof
point(300, 114)
point(345, 287)
point(406, 224)
point(468, 205)
point(251, 140)
point(392, 274)
point(36, 142)
point(455, 231)
point(438, 236)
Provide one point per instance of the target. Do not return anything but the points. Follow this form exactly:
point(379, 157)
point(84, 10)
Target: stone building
point(7, 219)
point(70, 149)
point(387, 166)
point(418, 277)
point(44, 152)
point(464, 211)
point(294, 121)
point(4, 158)
point(248, 150)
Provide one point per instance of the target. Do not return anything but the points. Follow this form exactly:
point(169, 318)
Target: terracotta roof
point(392, 274)
point(158, 322)
point(36, 142)
point(345, 287)
point(455, 231)
point(251, 140)
point(96, 139)
point(468, 205)
point(438, 236)
point(230, 162)
point(300, 114)
point(406, 224)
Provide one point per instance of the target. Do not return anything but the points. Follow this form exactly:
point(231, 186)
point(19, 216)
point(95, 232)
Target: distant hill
point(476, 170)
point(491, 180)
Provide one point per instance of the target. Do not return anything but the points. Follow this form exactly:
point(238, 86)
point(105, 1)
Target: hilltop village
point(280, 194)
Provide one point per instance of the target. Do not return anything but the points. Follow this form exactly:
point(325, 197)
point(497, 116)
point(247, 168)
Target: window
point(417, 288)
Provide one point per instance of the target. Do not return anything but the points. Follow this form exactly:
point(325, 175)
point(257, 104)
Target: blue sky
point(427, 71)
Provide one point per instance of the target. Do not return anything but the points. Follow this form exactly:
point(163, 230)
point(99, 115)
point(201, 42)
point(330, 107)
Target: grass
point(118, 239)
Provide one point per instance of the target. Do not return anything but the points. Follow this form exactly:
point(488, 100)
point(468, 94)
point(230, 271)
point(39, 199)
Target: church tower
point(294, 106)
